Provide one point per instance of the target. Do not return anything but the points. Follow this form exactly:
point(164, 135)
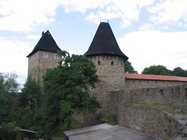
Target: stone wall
point(149, 121)
point(175, 95)
point(136, 84)
point(40, 62)
point(102, 95)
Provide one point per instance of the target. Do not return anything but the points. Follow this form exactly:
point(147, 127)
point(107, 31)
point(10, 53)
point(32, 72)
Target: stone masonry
point(40, 62)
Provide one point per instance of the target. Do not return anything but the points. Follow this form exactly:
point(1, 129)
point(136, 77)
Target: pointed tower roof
point(46, 43)
point(104, 43)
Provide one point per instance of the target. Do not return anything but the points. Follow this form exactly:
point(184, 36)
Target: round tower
point(108, 58)
point(43, 57)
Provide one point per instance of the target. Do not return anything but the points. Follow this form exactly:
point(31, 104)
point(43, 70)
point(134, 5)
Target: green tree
point(8, 95)
point(8, 131)
point(66, 88)
point(31, 94)
point(129, 68)
point(33, 119)
point(5, 107)
point(31, 113)
point(8, 86)
point(156, 70)
point(179, 72)
point(8, 83)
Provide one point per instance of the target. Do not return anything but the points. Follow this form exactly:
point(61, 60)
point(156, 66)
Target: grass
point(163, 107)
point(106, 118)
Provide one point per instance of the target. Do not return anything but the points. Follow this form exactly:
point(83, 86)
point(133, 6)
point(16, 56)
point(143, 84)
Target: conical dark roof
point(104, 43)
point(46, 43)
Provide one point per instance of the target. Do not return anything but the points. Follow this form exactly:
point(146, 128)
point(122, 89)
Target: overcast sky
point(149, 32)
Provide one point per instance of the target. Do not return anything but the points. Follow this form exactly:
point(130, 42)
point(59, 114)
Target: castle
point(138, 101)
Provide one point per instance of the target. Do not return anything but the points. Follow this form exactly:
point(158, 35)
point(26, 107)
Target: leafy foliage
point(162, 70)
point(157, 70)
point(8, 131)
point(5, 107)
point(8, 86)
point(179, 72)
point(34, 119)
point(66, 88)
point(8, 93)
point(8, 83)
point(31, 94)
point(129, 68)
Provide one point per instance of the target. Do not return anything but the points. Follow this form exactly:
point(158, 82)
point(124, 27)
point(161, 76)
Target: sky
point(149, 32)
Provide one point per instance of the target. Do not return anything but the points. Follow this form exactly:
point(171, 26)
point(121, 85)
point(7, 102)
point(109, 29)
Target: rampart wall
point(148, 109)
point(173, 95)
point(152, 122)
point(136, 84)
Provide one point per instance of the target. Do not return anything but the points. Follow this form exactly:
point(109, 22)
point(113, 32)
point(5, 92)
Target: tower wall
point(40, 62)
point(110, 70)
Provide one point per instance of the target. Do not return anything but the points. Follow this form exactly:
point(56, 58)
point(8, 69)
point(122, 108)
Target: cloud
point(24, 15)
point(159, 12)
point(150, 47)
point(12, 56)
point(82, 5)
point(128, 11)
point(34, 37)
point(169, 11)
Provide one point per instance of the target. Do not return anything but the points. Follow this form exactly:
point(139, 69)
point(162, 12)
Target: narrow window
point(162, 92)
point(99, 63)
point(172, 92)
point(112, 63)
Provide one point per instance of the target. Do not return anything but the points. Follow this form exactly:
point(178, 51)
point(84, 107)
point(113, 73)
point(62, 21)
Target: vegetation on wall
point(172, 109)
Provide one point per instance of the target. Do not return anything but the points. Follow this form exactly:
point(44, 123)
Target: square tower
point(43, 57)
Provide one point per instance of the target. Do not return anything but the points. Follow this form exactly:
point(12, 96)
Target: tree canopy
point(129, 68)
point(8, 95)
point(162, 70)
point(31, 94)
point(66, 88)
point(178, 71)
point(157, 70)
point(49, 108)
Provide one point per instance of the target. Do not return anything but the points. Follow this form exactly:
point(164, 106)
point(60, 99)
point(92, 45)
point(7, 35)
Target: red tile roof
point(155, 77)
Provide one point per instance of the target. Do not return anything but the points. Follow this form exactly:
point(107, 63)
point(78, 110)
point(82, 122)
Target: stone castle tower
point(107, 57)
point(43, 57)
point(109, 61)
